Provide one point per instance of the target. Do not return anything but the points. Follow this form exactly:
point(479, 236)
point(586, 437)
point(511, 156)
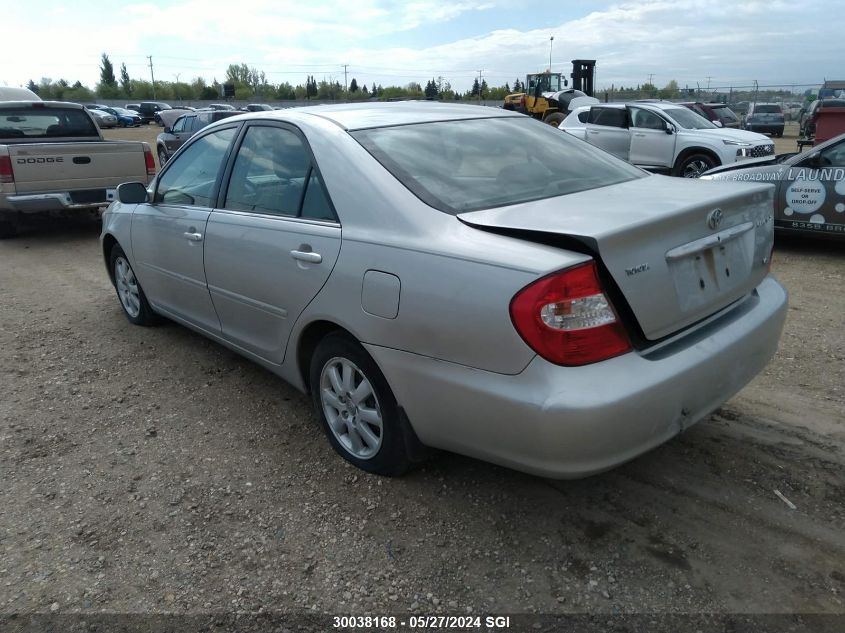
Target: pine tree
point(475, 88)
point(374, 91)
point(484, 89)
point(125, 82)
point(32, 86)
point(353, 85)
point(107, 73)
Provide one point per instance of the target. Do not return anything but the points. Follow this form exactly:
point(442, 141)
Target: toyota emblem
point(714, 219)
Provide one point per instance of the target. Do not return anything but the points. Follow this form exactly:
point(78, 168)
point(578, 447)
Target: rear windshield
point(459, 166)
point(767, 109)
point(725, 114)
point(34, 123)
point(688, 119)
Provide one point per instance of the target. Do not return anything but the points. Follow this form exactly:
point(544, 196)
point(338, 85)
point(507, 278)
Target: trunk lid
point(653, 238)
point(48, 167)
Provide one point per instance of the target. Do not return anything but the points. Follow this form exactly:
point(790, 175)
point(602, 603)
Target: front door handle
point(307, 256)
point(193, 237)
point(639, 134)
point(593, 131)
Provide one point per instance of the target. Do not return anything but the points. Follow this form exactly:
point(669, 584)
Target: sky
point(389, 42)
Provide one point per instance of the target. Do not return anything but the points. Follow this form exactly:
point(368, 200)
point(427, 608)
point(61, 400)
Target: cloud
point(687, 40)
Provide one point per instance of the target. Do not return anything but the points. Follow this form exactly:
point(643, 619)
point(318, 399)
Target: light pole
point(551, 43)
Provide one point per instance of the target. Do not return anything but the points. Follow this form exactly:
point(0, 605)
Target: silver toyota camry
point(456, 277)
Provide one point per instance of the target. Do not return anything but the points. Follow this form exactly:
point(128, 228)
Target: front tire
point(129, 291)
point(554, 119)
point(357, 409)
point(694, 165)
point(162, 157)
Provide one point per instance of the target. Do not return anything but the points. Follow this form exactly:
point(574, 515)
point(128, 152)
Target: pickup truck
point(55, 162)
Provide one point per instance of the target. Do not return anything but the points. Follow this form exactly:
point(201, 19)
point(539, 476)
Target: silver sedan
point(456, 277)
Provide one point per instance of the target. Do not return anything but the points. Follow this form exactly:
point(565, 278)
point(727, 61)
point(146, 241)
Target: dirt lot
point(150, 470)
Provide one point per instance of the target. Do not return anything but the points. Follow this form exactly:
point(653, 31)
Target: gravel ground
point(148, 470)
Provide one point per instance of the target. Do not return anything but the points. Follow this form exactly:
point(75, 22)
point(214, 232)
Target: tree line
point(250, 83)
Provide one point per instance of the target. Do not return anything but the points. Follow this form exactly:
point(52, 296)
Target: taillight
point(566, 318)
point(6, 175)
point(150, 161)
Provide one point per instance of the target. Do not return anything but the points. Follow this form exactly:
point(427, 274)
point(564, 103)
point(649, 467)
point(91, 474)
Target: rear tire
point(8, 229)
point(357, 409)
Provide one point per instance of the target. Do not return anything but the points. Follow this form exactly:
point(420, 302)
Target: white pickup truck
point(664, 136)
point(55, 162)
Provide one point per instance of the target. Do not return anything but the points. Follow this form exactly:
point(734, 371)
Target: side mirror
point(717, 123)
point(670, 129)
point(132, 193)
point(812, 161)
point(167, 129)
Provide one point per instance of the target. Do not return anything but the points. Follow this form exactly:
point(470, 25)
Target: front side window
point(645, 119)
point(833, 155)
point(190, 177)
point(179, 126)
point(273, 174)
point(471, 164)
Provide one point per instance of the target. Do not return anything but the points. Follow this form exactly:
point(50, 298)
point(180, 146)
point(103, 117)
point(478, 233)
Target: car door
point(168, 233)
point(180, 132)
point(607, 128)
point(811, 196)
point(273, 241)
point(651, 145)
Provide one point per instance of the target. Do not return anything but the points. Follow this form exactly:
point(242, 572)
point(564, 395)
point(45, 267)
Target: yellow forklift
point(546, 99)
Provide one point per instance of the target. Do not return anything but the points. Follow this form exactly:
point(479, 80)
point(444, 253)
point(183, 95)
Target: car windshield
point(688, 119)
point(459, 166)
point(45, 122)
point(124, 111)
point(767, 109)
point(725, 115)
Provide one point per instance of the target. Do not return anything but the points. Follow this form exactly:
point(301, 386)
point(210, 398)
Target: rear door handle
point(638, 134)
point(593, 131)
point(307, 256)
point(193, 237)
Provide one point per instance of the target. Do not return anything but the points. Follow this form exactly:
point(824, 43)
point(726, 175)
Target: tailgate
point(48, 167)
point(660, 241)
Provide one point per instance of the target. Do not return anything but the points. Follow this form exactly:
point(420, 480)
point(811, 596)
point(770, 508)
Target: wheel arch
point(109, 242)
point(689, 151)
point(307, 342)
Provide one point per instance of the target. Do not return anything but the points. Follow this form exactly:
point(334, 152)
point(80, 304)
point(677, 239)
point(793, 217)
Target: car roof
point(357, 116)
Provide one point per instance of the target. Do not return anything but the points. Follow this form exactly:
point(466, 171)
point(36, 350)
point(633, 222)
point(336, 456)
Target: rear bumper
point(566, 422)
point(764, 127)
point(55, 201)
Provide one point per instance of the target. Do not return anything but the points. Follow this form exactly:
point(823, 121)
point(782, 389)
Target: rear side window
point(33, 123)
point(190, 177)
point(273, 174)
point(584, 116)
point(612, 117)
point(458, 166)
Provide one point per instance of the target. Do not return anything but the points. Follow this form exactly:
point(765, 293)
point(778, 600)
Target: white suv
point(664, 136)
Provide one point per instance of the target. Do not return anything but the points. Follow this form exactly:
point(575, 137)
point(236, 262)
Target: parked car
point(148, 109)
point(765, 117)
point(124, 117)
point(807, 122)
point(221, 106)
point(542, 305)
point(257, 107)
point(54, 162)
point(178, 128)
point(809, 192)
point(718, 113)
point(103, 119)
point(663, 136)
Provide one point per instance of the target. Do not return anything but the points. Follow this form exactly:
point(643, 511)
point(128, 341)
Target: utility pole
point(479, 85)
point(551, 43)
point(176, 85)
point(345, 90)
point(152, 76)
point(708, 83)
